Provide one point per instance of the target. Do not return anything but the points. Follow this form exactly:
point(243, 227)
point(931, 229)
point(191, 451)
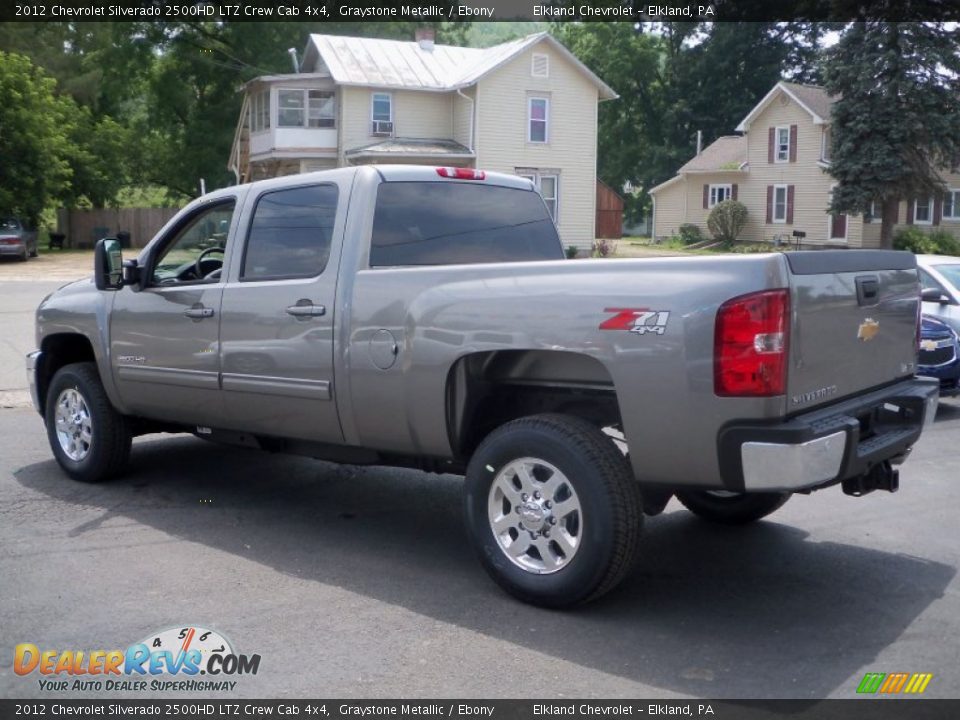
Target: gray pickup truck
point(426, 317)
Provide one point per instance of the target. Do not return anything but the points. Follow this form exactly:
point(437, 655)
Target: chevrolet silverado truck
point(427, 317)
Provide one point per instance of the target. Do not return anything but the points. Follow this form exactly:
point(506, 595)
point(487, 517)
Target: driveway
point(22, 286)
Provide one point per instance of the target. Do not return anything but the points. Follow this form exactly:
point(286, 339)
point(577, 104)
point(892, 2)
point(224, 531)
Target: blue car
point(940, 355)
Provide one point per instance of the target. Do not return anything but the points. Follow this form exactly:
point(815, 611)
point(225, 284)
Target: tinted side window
point(437, 223)
point(290, 233)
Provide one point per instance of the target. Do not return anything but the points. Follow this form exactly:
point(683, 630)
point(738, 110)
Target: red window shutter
point(706, 196)
point(793, 143)
point(937, 210)
point(790, 204)
point(909, 212)
point(769, 204)
point(733, 192)
point(770, 141)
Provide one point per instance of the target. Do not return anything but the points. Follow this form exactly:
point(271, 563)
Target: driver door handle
point(198, 313)
point(301, 311)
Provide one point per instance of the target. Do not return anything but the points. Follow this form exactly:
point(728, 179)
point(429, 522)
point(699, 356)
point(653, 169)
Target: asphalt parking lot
point(358, 582)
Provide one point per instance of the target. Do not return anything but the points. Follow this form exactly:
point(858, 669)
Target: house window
point(306, 108)
point(540, 65)
point(923, 211)
point(381, 113)
point(719, 193)
point(539, 119)
point(780, 203)
point(951, 204)
point(291, 108)
point(321, 109)
point(260, 111)
point(782, 147)
point(548, 185)
point(825, 146)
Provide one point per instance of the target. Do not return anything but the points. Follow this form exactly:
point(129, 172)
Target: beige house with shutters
point(526, 107)
point(779, 168)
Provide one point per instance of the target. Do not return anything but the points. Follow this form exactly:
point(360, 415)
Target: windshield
point(951, 273)
point(9, 223)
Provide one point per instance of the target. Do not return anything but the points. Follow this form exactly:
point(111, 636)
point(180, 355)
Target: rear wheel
point(33, 253)
point(89, 438)
point(731, 508)
point(553, 510)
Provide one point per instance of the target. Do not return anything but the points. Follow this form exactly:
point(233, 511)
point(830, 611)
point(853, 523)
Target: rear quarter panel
point(664, 383)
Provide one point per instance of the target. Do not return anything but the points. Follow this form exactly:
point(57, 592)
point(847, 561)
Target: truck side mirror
point(108, 264)
point(933, 295)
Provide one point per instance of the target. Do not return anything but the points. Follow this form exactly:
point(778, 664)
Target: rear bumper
point(33, 363)
point(13, 248)
point(844, 440)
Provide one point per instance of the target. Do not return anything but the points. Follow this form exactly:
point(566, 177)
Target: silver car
point(17, 238)
point(940, 280)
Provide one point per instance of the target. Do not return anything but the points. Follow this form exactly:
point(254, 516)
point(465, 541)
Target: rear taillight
point(461, 173)
point(750, 345)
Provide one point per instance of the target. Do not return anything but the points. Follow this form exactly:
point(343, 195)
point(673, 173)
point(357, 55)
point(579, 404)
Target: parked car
point(18, 237)
point(940, 355)
point(940, 280)
point(426, 317)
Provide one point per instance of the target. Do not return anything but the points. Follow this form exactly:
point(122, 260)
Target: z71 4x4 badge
point(637, 320)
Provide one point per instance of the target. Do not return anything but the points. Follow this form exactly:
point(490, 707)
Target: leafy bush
point(690, 233)
point(726, 220)
point(938, 242)
point(571, 252)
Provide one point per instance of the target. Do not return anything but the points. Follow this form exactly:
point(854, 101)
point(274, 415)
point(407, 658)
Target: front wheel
point(89, 438)
point(731, 508)
point(553, 510)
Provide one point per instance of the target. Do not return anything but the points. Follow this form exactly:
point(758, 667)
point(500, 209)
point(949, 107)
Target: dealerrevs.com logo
point(170, 660)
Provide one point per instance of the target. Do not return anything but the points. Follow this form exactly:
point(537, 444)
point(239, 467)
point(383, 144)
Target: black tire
point(25, 255)
point(109, 447)
point(732, 509)
point(35, 251)
point(599, 479)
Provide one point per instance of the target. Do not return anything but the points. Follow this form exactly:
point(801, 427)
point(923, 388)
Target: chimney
point(293, 58)
point(425, 37)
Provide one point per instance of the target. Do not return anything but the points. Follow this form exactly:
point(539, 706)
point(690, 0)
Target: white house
point(526, 107)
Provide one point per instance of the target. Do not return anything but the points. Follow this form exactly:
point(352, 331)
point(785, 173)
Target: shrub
point(938, 242)
point(690, 233)
point(571, 251)
point(726, 220)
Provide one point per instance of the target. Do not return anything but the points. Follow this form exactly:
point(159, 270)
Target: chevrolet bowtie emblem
point(868, 329)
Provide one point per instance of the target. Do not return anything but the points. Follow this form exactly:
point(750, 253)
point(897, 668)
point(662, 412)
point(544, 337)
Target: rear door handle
point(198, 313)
point(306, 311)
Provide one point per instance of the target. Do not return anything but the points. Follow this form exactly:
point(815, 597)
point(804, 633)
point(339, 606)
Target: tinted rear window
point(437, 223)
point(290, 233)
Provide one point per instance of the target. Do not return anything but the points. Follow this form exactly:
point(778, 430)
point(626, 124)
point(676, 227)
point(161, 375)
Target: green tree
point(896, 120)
point(34, 129)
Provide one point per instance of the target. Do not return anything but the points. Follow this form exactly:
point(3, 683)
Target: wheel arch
point(487, 389)
point(58, 350)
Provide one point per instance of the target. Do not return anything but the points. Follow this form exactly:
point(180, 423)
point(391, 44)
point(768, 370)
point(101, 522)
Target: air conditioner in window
point(382, 127)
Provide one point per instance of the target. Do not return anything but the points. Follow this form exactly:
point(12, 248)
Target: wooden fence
point(609, 212)
point(83, 228)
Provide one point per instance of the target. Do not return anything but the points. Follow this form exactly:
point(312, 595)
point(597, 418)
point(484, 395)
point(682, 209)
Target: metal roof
point(372, 62)
point(411, 147)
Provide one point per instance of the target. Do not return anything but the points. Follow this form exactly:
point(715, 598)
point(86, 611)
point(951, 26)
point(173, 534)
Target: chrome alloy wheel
point(73, 424)
point(535, 515)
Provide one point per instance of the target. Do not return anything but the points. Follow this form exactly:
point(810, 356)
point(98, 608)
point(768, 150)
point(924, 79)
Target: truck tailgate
point(854, 323)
